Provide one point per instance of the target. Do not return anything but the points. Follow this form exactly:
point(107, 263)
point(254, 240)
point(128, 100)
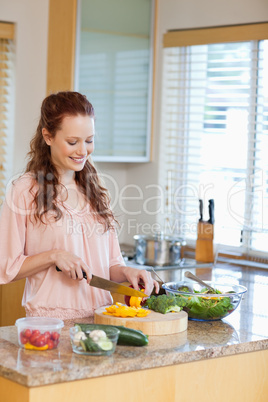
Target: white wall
point(183, 14)
point(31, 19)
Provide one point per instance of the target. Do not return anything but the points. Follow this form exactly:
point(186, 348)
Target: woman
point(58, 214)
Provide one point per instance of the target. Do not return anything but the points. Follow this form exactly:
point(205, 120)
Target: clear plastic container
point(39, 333)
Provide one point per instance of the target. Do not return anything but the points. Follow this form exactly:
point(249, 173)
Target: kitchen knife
point(111, 286)
point(211, 211)
point(201, 210)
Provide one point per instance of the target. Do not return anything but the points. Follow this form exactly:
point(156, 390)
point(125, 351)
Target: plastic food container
point(95, 342)
point(39, 333)
point(206, 306)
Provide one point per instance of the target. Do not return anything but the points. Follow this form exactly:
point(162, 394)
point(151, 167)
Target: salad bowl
point(203, 305)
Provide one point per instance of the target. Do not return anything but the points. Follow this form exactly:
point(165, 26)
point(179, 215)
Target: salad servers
point(157, 275)
point(189, 275)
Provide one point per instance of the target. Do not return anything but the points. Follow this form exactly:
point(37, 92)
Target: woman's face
point(72, 144)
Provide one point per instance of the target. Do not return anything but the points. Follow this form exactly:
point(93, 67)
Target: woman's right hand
point(72, 265)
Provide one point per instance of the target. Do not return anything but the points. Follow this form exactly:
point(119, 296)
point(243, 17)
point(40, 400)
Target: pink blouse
point(51, 293)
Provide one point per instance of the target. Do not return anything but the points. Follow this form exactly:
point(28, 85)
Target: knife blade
point(115, 287)
point(111, 286)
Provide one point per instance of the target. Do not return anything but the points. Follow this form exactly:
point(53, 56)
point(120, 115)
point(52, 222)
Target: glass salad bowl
point(203, 305)
point(94, 343)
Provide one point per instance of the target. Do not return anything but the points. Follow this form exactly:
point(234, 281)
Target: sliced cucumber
point(127, 336)
point(105, 344)
point(82, 343)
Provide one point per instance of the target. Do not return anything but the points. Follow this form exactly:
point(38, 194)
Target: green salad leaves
point(208, 308)
point(199, 306)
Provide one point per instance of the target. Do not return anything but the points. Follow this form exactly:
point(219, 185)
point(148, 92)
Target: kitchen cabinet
point(61, 45)
point(227, 378)
point(105, 50)
point(10, 302)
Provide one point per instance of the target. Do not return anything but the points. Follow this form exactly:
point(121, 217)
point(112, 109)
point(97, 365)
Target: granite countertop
point(243, 331)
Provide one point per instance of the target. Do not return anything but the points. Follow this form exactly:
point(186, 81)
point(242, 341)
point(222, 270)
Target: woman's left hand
point(135, 275)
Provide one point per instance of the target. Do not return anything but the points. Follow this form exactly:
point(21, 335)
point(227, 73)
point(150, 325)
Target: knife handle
point(201, 210)
point(84, 274)
point(211, 211)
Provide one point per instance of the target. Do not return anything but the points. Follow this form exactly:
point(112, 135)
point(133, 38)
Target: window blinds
point(215, 134)
point(6, 50)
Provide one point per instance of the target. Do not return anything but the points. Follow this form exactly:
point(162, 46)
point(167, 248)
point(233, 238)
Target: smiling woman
point(70, 152)
point(60, 147)
point(60, 190)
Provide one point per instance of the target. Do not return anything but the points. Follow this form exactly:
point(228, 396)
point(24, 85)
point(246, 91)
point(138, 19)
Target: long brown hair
point(53, 110)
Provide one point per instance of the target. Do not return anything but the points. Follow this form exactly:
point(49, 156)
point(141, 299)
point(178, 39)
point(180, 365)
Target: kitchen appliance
point(158, 249)
point(153, 324)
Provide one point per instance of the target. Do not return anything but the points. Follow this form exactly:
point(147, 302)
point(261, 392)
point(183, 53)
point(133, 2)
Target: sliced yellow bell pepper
point(29, 346)
point(121, 310)
point(135, 301)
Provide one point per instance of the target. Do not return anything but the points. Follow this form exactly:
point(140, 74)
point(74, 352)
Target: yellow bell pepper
point(29, 346)
point(135, 301)
point(120, 310)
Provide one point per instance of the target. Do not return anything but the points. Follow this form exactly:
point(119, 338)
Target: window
point(6, 93)
point(215, 133)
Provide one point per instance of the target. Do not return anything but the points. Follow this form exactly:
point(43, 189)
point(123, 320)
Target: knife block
point(204, 243)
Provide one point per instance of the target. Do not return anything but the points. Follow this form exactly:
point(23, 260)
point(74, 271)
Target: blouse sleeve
point(13, 223)
point(115, 256)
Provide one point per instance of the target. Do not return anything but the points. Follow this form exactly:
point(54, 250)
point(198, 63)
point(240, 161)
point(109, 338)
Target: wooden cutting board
point(153, 324)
